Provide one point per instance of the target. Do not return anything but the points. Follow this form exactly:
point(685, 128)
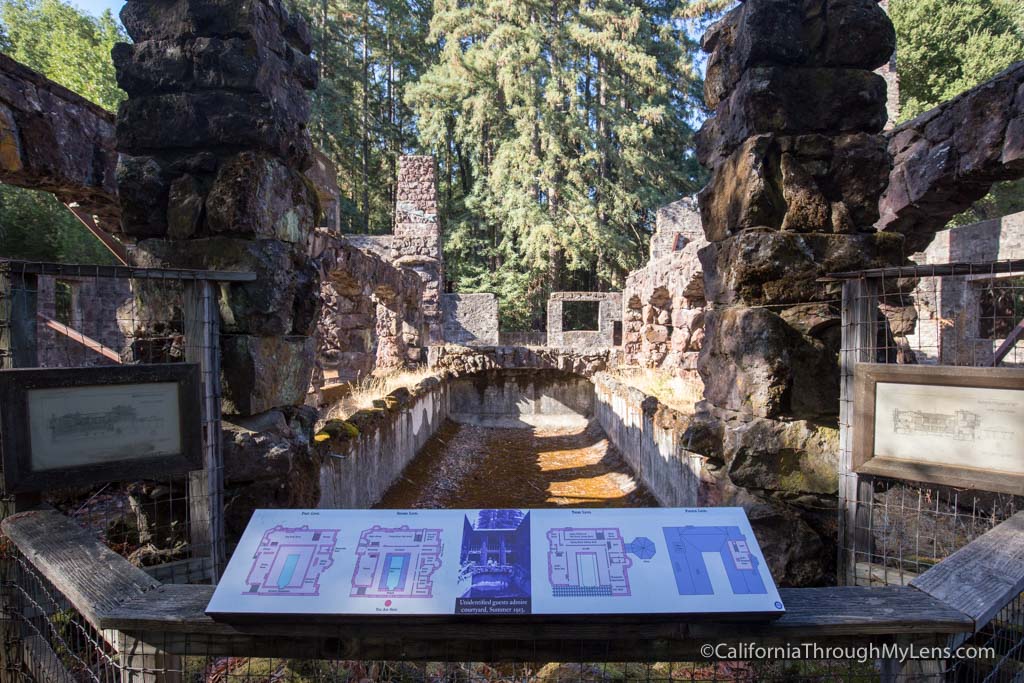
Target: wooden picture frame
point(62, 427)
point(949, 425)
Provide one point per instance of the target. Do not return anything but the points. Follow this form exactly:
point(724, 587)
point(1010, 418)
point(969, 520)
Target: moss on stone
point(336, 429)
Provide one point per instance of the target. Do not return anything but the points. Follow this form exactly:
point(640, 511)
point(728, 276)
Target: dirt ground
point(465, 466)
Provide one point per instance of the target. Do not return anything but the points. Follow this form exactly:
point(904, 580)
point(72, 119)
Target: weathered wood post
point(206, 486)
point(859, 341)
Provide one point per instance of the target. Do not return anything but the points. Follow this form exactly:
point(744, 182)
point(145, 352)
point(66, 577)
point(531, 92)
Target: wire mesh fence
point(61, 316)
point(965, 315)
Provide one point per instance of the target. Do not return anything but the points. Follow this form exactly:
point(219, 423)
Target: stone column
point(417, 239)
point(213, 145)
point(798, 165)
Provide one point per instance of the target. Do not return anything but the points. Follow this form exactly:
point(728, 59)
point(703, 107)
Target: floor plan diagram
point(686, 548)
point(289, 561)
point(587, 562)
point(396, 563)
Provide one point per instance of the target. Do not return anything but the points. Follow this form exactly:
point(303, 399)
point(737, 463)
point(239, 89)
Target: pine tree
point(560, 127)
point(368, 51)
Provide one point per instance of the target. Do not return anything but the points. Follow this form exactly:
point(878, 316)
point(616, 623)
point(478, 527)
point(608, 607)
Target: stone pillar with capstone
point(214, 146)
point(797, 165)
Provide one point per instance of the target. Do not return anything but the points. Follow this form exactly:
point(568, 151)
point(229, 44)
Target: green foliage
point(65, 45)
point(559, 128)
point(945, 48)
point(34, 226)
point(72, 49)
point(369, 51)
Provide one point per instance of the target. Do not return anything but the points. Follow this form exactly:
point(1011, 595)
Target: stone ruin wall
point(55, 140)
point(663, 302)
point(609, 312)
point(214, 148)
point(470, 319)
point(370, 318)
point(948, 157)
point(96, 311)
point(416, 246)
point(416, 243)
point(943, 320)
point(797, 166)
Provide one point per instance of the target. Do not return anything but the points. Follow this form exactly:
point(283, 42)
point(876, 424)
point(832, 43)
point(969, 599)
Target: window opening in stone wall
point(580, 316)
point(617, 333)
point(1001, 307)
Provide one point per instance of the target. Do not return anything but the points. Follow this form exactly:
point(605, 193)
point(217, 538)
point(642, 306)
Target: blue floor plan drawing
point(687, 546)
point(289, 561)
point(396, 563)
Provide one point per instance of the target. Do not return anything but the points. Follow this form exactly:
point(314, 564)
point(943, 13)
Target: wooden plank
point(113, 246)
point(859, 341)
point(6, 308)
point(73, 270)
point(40, 660)
point(173, 617)
point(24, 304)
point(937, 270)
point(1009, 343)
point(983, 576)
point(76, 336)
point(94, 578)
point(206, 488)
point(872, 574)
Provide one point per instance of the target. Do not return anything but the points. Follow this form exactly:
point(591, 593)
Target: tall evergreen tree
point(560, 126)
point(369, 50)
point(947, 47)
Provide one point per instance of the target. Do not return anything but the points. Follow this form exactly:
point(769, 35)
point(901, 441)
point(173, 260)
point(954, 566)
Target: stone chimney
point(417, 237)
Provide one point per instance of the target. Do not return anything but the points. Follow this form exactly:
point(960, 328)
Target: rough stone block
point(257, 195)
point(161, 66)
point(185, 207)
point(752, 362)
point(274, 304)
point(216, 119)
point(794, 457)
point(835, 33)
point(794, 101)
point(267, 21)
point(758, 267)
point(144, 186)
point(262, 373)
point(743, 192)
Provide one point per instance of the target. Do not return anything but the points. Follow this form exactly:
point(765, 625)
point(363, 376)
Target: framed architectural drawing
point(948, 425)
point(73, 426)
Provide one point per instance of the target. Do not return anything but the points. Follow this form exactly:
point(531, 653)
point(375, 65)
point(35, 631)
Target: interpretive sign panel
point(343, 563)
point(73, 426)
point(955, 426)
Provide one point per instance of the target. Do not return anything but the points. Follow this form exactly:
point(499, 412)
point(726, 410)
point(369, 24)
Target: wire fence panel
point(963, 315)
point(55, 316)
